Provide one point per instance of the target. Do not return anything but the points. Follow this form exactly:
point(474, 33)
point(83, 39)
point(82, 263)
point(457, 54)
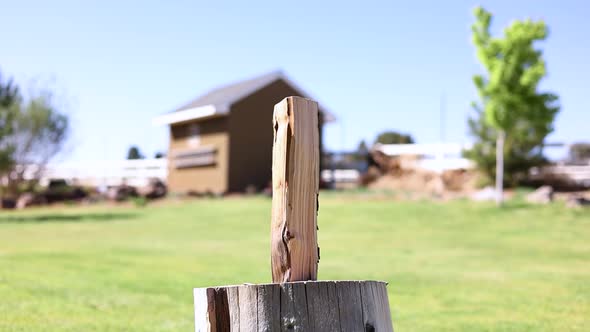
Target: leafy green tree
point(32, 132)
point(9, 93)
point(39, 133)
point(134, 153)
point(362, 148)
point(511, 111)
point(361, 153)
point(394, 137)
point(9, 97)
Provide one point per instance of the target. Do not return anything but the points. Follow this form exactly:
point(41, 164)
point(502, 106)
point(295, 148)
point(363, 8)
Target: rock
point(575, 201)
point(458, 180)
point(121, 193)
point(24, 200)
point(7, 203)
point(543, 195)
point(435, 186)
point(373, 173)
point(61, 193)
point(29, 199)
point(154, 189)
point(250, 190)
point(485, 194)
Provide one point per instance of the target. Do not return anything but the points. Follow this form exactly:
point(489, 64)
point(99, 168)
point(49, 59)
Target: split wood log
point(315, 306)
point(295, 184)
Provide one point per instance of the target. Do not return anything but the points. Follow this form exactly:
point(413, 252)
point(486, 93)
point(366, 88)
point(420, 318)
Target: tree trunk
point(500, 168)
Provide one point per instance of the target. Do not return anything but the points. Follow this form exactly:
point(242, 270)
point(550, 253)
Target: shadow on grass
point(508, 207)
point(517, 205)
point(56, 217)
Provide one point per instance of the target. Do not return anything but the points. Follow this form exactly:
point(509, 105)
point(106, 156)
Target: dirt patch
point(403, 174)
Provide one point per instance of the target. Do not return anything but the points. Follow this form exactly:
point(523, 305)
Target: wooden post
point(295, 301)
point(295, 184)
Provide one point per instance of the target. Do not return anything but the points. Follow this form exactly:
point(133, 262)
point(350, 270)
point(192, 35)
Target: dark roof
point(223, 97)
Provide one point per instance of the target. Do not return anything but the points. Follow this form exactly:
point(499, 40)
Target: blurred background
point(136, 140)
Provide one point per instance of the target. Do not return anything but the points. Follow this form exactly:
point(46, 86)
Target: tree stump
point(295, 302)
point(322, 306)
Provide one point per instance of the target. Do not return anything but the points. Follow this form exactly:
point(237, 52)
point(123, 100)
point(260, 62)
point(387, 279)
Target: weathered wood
point(268, 313)
point(320, 306)
point(212, 309)
point(234, 306)
point(248, 306)
point(293, 309)
point(322, 299)
point(295, 181)
point(350, 306)
point(376, 315)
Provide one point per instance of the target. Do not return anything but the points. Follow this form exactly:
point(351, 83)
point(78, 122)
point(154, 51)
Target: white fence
point(341, 175)
point(108, 172)
point(105, 173)
point(427, 149)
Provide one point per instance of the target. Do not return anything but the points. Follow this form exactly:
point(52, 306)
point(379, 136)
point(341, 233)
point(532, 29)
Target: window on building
point(194, 135)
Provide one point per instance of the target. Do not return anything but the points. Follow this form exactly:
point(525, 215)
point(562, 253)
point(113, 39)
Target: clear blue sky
point(377, 65)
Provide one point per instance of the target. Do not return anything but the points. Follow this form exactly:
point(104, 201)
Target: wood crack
point(296, 158)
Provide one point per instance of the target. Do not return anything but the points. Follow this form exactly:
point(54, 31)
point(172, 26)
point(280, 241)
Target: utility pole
point(442, 117)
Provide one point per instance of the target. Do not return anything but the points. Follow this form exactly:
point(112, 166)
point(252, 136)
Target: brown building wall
point(251, 137)
point(212, 132)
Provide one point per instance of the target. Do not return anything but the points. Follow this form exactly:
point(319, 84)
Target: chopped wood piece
point(295, 184)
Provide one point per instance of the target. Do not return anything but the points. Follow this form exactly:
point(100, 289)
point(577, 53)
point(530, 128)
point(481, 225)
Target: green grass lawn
point(456, 266)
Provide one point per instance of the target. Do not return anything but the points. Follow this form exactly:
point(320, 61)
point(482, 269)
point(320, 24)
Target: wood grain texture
point(333, 306)
point(294, 310)
point(248, 306)
point(234, 308)
point(268, 312)
point(322, 300)
point(295, 182)
point(350, 306)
